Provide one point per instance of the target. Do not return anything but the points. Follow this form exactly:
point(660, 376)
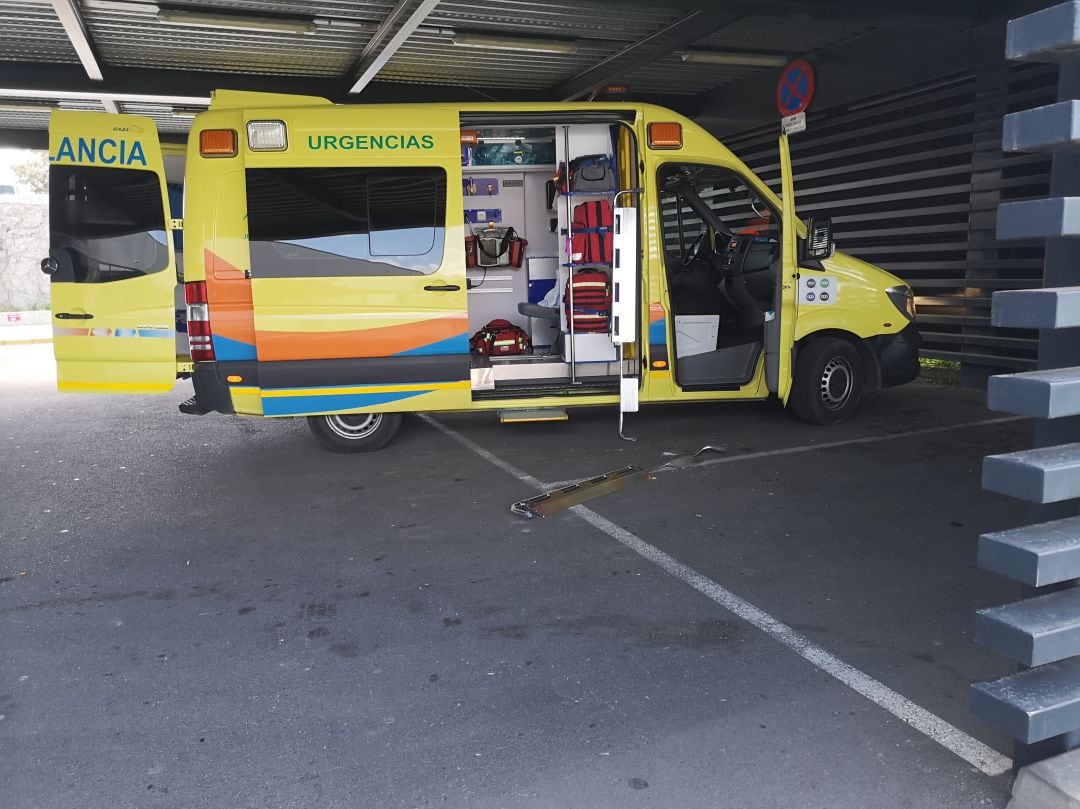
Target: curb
point(1053, 783)
point(26, 341)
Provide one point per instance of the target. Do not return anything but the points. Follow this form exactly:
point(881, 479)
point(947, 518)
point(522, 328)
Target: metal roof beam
point(368, 53)
point(369, 66)
point(75, 26)
point(679, 34)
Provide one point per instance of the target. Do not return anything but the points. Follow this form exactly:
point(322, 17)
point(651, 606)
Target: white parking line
point(948, 736)
point(870, 439)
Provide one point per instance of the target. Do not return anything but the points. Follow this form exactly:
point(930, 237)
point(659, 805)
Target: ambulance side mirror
point(819, 239)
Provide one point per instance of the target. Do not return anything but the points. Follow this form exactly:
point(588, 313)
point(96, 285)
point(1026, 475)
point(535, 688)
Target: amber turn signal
point(665, 135)
point(217, 143)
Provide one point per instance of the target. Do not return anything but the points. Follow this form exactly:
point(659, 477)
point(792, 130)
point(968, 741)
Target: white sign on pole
point(793, 124)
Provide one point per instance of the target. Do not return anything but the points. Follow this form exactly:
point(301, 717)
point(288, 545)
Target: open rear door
point(779, 367)
point(111, 258)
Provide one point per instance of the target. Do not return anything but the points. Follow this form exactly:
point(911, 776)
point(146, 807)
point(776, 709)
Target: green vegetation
point(941, 372)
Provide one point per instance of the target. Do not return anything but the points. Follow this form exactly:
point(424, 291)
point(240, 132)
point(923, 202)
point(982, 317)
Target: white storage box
point(591, 347)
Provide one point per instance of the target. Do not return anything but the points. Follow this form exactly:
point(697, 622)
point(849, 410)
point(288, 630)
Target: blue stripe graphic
point(458, 344)
point(658, 332)
point(299, 405)
point(226, 349)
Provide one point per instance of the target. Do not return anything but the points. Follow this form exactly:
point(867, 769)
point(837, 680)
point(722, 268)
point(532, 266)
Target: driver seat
point(751, 309)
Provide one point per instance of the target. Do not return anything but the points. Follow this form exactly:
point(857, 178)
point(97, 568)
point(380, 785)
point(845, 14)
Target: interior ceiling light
point(734, 58)
point(200, 19)
point(26, 107)
point(513, 44)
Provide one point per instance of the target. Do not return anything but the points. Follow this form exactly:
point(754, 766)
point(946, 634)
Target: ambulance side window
point(346, 221)
point(105, 224)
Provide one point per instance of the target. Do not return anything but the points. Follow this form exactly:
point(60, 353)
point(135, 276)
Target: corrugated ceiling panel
point(128, 33)
point(162, 115)
point(672, 75)
point(794, 34)
point(432, 58)
point(31, 32)
point(572, 21)
point(140, 39)
point(357, 10)
point(10, 119)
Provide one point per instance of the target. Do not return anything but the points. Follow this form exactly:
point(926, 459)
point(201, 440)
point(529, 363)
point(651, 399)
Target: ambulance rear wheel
point(828, 382)
point(354, 432)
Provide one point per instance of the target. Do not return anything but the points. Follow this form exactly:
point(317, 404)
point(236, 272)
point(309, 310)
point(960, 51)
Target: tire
point(828, 382)
point(354, 432)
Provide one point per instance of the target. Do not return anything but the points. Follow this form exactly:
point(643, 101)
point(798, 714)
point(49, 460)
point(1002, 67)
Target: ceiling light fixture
point(26, 107)
point(734, 58)
point(281, 25)
point(513, 44)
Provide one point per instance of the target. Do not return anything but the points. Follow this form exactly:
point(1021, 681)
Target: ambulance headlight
point(266, 136)
point(903, 299)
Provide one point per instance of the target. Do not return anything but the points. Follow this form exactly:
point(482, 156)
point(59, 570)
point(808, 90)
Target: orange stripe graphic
point(231, 311)
point(382, 341)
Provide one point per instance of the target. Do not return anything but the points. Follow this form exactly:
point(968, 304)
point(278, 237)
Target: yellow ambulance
point(351, 263)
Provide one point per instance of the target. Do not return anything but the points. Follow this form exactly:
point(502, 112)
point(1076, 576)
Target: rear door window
point(106, 224)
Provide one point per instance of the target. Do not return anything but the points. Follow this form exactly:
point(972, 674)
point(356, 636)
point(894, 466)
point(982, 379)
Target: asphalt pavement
point(215, 612)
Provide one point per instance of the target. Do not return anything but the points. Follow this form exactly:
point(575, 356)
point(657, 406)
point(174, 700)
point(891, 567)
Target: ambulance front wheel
point(355, 432)
point(828, 382)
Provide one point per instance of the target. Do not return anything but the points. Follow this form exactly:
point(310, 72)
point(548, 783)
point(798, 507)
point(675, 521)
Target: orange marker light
point(665, 135)
point(234, 378)
point(659, 364)
point(217, 143)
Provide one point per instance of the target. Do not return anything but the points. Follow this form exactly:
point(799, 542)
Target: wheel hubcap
point(836, 383)
point(354, 428)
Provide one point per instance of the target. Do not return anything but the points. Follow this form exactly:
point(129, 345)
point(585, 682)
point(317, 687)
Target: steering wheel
point(694, 250)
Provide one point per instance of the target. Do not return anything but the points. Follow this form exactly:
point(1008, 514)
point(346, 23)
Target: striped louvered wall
point(912, 181)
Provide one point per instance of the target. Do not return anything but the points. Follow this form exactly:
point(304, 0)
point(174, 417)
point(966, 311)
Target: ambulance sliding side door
point(111, 258)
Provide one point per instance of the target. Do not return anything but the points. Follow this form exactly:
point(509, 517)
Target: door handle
point(72, 316)
point(442, 287)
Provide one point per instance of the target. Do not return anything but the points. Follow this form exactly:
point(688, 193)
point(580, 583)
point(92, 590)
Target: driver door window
point(726, 194)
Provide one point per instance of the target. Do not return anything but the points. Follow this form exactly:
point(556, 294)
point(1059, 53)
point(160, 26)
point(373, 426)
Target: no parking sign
point(795, 90)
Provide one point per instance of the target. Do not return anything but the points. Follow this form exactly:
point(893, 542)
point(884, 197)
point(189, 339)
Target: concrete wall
point(24, 241)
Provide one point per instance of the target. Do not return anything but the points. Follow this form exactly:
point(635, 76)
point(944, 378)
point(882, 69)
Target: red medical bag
point(591, 308)
point(591, 233)
point(500, 338)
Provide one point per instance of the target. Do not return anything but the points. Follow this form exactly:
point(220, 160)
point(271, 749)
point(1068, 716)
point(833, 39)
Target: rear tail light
point(200, 338)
